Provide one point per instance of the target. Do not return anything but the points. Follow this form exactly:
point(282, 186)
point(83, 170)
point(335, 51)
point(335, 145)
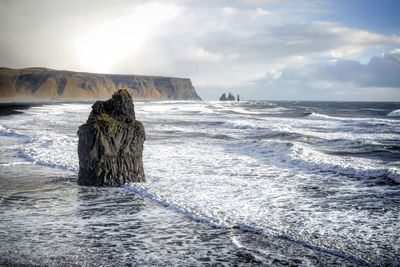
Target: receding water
point(229, 183)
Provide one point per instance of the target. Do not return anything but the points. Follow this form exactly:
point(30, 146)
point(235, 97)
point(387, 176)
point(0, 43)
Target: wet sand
point(14, 108)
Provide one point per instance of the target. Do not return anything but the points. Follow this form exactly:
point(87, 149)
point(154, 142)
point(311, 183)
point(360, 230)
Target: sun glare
point(103, 45)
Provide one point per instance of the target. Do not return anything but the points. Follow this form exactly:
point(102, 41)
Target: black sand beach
point(10, 108)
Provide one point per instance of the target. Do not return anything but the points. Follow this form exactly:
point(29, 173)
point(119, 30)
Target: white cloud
point(345, 52)
point(229, 11)
point(104, 45)
point(261, 12)
point(200, 55)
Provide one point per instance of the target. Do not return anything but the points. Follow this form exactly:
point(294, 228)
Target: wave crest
point(394, 113)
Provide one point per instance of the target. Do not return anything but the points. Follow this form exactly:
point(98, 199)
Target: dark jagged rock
point(230, 97)
point(225, 98)
point(111, 144)
point(238, 98)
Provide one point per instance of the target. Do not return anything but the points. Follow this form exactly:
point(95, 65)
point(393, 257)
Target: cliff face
point(47, 84)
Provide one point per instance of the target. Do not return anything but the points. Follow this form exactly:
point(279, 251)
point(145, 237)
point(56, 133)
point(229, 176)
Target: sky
point(261, 49)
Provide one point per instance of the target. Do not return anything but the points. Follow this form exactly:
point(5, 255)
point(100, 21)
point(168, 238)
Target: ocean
point(228, 184)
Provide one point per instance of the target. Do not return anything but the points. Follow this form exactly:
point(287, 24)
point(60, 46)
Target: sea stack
point(230, 97)
point(110, 144)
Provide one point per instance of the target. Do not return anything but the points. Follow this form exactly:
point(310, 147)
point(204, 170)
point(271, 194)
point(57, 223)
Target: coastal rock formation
point(229, 98)
point(47, 84)
point(111, 144)
point(223, 97)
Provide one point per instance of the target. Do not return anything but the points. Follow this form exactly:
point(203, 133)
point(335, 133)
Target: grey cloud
point(340, 80)
point(380, 71)
point(339, 71)
point(286, 40)
point(384, 71)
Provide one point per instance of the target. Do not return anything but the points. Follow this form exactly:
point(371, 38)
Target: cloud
point(335, 80)
point(240, 44)
point(380, 71)
point(103, 46)
point(230, 11)
point(384, 71)
point(237, 56)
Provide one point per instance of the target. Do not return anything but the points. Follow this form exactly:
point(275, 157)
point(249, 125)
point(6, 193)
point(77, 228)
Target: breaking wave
point(394, 113)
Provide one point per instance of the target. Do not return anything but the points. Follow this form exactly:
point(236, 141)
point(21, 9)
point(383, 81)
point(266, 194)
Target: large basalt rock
point(111, 144)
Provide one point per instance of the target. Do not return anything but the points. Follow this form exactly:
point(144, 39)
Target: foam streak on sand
point(328, 181)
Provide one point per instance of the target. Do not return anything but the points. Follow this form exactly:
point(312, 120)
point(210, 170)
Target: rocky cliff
point(110, 144)
point(47, 84)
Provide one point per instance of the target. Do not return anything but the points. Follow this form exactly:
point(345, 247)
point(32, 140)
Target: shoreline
point(91, 219)
point(15, 107)
point(12, 108)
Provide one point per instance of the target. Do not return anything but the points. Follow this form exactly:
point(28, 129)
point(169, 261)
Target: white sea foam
point(245, 190)
point(318, 116)
point(241, 124)
point(248, 111)
point(15, 163)
point(134, 187)
point(310, 159)
point(8, 132)
point(52, 150)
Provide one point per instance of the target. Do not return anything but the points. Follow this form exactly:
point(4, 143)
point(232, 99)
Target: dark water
point(249, 183)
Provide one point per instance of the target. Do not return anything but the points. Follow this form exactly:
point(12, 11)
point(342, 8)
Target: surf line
point(245, 228)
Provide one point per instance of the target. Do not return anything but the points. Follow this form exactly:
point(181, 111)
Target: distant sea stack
point(47, 84)
point(230, 97)
point(110, 145)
